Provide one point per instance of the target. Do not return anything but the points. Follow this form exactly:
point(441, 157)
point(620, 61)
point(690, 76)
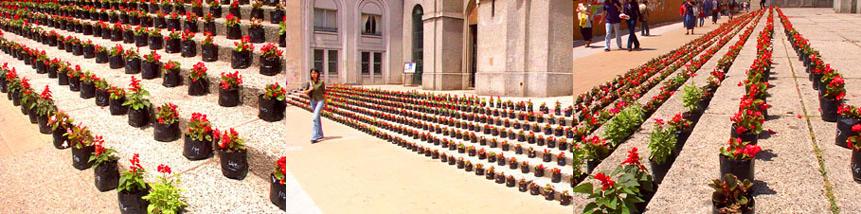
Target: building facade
point(496, 47)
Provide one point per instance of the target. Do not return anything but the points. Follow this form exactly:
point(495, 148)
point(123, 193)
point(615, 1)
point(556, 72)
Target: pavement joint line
point(829, 192)
point(246, 122)
point(78, 109)
point(201, 164)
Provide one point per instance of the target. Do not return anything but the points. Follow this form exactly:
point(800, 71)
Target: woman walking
point(644, 18)
point(315, 91)
point(632, 9)
point(584, 15)
point(688, 15)
point(701, 13)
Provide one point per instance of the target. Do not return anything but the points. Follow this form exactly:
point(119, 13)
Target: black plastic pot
point(101, 58)
point(189, 48)
point(215, 11)
point(234, 32)
point(844, 130)
point(59, 138)
point(89, 52)
point(282, 41)
point(116, 61)
point(196, 150)
point(191, 26)
point(106, 176)
point(62, 79)
point(81, 157)
point(102, 97)
point(77, 50)
point(743, 169)
point(172, 46)
point(276, 16)
point(138, 118)
point(210, 27)
point(128, 37)
point(856, 166)
point(41, 67)
point(257, 13)
point(106, 33)
point(133, 66)
point(156, 42)
point(828, 108)
point(116, 35)
point(173, 24)
point(88, 90)
point(141, 40)
point(277, 192)
point(171, 79)
point(209, 53)
point(150, 70)
point(748, 136)
point(270, 66)
point(31, 114)
point(132, 203)
point(257, 35)
point(240, 60)
point(75, 83)
point(234, 165)
point(270, 110)
point(228, 98)
point(116, 106)
point(235, 11)
point(43, 124)
point(198, 88)
point(166, 133)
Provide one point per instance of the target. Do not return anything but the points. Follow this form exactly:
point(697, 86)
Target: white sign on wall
point(409, 67)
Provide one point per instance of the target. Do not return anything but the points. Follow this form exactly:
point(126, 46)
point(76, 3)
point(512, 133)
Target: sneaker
point(606, 50)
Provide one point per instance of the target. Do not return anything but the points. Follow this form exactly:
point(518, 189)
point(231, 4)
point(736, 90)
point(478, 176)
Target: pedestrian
point(315, 89)
point(632, 9)
point(644, 18)
point(688, 16)
point(612, 8)
point(708, 7)
point(715, 10)
point(701, 14)
point(761, 4)
point(733, 5)
point(584, 14)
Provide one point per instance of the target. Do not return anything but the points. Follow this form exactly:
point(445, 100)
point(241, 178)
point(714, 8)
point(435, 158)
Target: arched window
point(418, 42)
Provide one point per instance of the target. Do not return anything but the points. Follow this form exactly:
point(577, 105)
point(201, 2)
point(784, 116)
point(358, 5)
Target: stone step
point(201, 180)
point(245, 9)
point(264, 139)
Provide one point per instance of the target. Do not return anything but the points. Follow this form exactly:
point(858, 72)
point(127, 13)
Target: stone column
point(443, 45)
point(525, 48)
point(296, 45)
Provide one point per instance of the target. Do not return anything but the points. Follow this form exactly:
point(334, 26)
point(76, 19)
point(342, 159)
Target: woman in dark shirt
point(315, 91)
point(632, 9)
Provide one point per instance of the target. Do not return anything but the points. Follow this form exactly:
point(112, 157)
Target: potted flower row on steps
point(455, 159)
point(831, 86)
point(271, 106)
point(135, 195)
point(132, 10)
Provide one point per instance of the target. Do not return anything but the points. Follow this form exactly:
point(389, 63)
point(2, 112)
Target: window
point(318, 59)
point(325, 20)
point(378, 67)
point(366, 61)
point(371, 24)
point(333, 62)
point(418, 41)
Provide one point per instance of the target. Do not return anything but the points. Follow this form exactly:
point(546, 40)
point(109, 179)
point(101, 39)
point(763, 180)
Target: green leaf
point(585, 188)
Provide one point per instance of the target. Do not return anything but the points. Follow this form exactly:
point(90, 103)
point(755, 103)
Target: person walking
point(701, 14)
point(316, 89)
point(644, 18)
point(707, 7)
point(761, 4)
point(632, 10)
point(688, 16)
point(715, 10)
point(733, 5)
point(612, 8)
point(584, 15)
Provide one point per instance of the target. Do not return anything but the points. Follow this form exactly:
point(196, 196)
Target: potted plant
point(189, 47)
point(167, 123)
point(75, 78)
point(854, 142)
point(197, 7)
point(255, 31)
point(116, 101)
point(159, 20)
point(277, 15)
point(172, 42)
point(234, 157)
point(621, 126)
point(88, 49)
point(133, 62)
point(44, 108)
point(234, 10)
point(215, 9)
point(209, 50)
point(171, 74)
point(849, 116)
point(257, 10)
point(595, 149)
point(209, 24)
point(132, 188)
point(270, 60)
point(832, 95)
point(732, 195)
point(101, 54)
point(164, 196)
point(272, 103)
point(138, 104)
point(151, 66)
point(191, 22)
point(106, 175)
point(242, 53)
point(228, 94)
point(737, 158)
point(128, 34)
point(141, 36)
point(233, 29)
point(88, 85)
point(81, 141)
point(59, 123)
point(116, 34)
point(116, 57)
point(747, 124)
point(173, 22)
point(198, 83)
point(282, 33)
point(611, 196)
point(692, 97)
point(198, 138)
point(102, 94)
point(156, 41)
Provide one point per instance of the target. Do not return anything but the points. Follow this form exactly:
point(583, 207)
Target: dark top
point(689, 9)
point(611, 9)
point(632, 9)
point(317, 90)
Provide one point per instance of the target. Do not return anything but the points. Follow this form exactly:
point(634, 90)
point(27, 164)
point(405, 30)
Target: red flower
point(99, 149)
point(46, 93)
point(606, 181)
point(135, 85)
point(633, 157)
point(751, 150)
point(856, 128)
point(163, 169)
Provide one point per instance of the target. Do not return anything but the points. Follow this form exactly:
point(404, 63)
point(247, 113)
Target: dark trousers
point(644, 28)
point(632, 34)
